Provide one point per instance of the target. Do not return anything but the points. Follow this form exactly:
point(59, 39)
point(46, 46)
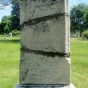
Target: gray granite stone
point(32, 9)
point(44, 69)
point(49, 35)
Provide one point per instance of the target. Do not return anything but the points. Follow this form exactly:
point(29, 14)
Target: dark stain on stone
point(42, 19)
point(24, 74)
point(49, 54)
point(53, 0)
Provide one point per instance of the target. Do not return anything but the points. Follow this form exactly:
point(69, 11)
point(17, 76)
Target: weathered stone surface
point(32, 9)
point(43, 69)
point(45, 34)
point(49, 35)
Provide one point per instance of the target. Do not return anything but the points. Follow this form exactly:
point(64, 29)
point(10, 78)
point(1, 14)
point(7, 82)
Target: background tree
point(78, 16)
point(9, 23)
point(1, 28)
point(15, 13)
point(5, 25)
point(86, 20)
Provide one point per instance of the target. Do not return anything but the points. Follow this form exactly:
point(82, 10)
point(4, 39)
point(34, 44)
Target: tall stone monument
point(44, 60)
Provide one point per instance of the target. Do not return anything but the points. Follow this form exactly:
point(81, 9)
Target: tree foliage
point(79, 18)
point(15, 13)
point(85, 34)
point(9, 23)
point(5, 25)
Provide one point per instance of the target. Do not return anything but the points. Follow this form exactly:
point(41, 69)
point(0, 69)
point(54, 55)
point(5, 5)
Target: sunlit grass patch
point(9, 61)
point(79, 62)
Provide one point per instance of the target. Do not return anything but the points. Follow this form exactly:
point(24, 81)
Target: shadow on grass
point(10, 41)
point(81, 39)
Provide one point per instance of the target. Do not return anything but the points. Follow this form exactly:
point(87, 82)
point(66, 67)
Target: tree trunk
point(80, 33)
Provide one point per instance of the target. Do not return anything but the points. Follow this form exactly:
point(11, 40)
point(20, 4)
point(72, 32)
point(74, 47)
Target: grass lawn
point(9, 61)
point(79, 62)
point(10, 54)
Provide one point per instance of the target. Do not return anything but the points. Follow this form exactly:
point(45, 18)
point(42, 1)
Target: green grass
point(79, 62)
point(10, 54)
point(9, 61)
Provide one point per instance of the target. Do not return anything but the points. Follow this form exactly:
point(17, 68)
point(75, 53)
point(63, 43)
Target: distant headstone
point(10, 34)
point(45, 48)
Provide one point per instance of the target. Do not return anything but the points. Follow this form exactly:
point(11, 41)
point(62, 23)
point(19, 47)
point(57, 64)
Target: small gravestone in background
point(10, 34)
point(45, 48)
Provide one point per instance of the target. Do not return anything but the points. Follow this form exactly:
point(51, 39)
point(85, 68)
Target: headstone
point(45, 48)
point(10, 34)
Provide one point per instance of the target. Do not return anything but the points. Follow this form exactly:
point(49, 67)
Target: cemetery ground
point(10, 54)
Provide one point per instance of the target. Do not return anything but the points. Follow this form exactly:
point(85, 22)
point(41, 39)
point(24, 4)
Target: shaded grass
point(79, 62)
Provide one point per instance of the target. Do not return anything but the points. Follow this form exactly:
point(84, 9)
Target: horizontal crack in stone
point(50, 54)
point(45, 18)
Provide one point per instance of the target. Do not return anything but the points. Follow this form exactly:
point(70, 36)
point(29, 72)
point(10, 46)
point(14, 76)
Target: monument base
point(44, 86)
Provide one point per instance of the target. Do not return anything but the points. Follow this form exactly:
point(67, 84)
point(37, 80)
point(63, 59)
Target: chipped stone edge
point(43, 86)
